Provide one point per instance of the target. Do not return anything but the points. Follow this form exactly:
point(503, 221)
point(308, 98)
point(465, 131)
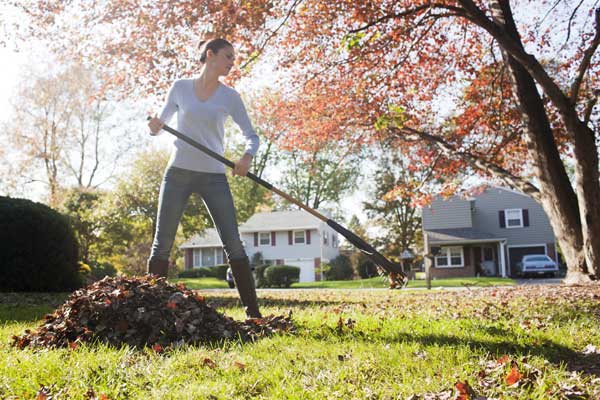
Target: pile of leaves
point(143, 311)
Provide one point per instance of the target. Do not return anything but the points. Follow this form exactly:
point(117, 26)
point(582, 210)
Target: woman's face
point(222, 61)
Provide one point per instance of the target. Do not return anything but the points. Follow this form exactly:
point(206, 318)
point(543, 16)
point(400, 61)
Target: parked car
point(229, 278)
point(538, 264)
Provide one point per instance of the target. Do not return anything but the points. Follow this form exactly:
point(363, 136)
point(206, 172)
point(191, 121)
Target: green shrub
point(220, 271)
point(257, 259)
point(259, 275)
point(102, 269)
point(38, 249)
point(281, 275)
point(202, 272)
point(339, 269)
point(365, 268)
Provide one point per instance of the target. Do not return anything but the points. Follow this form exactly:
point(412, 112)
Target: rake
point(396, 275)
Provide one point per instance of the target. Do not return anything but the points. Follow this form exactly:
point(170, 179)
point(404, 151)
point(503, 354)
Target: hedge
point(38, 249)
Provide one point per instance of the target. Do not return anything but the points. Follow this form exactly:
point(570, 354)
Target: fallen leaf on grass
point(591, 349)
point(239, 365)
point(207, 362)
point(157, 348)
point(466, 392)
point(513, 376)
point(502, 360)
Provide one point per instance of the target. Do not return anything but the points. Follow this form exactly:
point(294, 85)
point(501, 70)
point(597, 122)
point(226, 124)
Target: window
point(334, 242)
point(299, 237)
point(325, 238)
point(197, 258)
point(264, 238)
point(450, 257)
point(208, 257)
point(514, 218)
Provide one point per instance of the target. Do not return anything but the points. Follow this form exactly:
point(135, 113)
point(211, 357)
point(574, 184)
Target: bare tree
point(63, 132)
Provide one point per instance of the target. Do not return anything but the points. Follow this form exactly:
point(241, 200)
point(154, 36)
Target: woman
point(202, 105)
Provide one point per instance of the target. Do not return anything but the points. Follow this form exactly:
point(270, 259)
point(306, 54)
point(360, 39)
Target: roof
point(280, 221)
point(460, 235)
point(208, 238)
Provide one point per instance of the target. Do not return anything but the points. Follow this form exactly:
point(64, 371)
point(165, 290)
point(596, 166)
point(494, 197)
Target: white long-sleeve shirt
point(204, 122)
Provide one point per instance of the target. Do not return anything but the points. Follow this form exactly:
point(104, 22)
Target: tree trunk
point(557, 195)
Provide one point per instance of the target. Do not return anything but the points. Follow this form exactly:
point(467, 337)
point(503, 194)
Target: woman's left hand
point(243, 165)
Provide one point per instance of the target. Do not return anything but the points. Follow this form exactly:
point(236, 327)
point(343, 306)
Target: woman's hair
point(214, 44)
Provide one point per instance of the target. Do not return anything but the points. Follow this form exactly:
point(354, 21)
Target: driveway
point(539, 281)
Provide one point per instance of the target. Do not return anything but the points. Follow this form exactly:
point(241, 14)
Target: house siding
point(446, 214)
point(282, 249)
point(493, 200)
point(484, 216)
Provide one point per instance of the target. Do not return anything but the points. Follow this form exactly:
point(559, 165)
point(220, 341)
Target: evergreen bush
point(259, 275)
point(38, 248)
point(202, 272)
point(282, 275)
point(339, 269)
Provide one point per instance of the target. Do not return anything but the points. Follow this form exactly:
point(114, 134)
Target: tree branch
point(483, 165)
point(587, 115)
point(585, 62)
point(271, 36)
point(514, 48)
point(409, 12)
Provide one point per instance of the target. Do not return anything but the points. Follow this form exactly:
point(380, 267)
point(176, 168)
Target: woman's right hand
point(155, 126)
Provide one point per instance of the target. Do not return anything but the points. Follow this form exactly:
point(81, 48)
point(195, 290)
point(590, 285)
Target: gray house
point(485, 234)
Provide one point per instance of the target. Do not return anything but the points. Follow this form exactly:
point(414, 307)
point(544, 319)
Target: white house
point(282, 237)
point(203, 250)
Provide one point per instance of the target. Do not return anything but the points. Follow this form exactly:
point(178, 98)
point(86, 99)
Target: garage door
point(307, 268)
point(515, 254)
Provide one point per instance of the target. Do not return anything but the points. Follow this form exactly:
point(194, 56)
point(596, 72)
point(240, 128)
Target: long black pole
point(393, 269)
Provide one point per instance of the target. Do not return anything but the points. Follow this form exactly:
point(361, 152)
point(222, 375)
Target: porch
point(466, 252)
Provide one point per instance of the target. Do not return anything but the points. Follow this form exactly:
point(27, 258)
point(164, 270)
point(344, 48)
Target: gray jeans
point(177, 186)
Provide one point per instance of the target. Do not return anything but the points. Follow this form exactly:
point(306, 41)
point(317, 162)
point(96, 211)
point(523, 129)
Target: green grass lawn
point(201, 283)
point(377, 282)
point(350, 344)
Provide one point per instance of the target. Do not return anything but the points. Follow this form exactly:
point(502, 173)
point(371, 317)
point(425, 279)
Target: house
point(486, 234)
point(282, 237)
point(203, 250)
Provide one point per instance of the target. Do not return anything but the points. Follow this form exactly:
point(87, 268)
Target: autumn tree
point(391, 206)
point(62, 135)
point(321, 177)
point(129, 214)
point(503, 89)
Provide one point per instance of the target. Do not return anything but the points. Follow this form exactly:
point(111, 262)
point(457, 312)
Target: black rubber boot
point(158, 267)
point(244, 281)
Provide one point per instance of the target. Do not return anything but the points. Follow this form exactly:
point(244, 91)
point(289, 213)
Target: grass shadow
point(588, 364)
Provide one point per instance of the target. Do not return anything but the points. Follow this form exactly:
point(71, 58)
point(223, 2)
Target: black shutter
point(502, 219)
point(525, 217)
point(255, 239)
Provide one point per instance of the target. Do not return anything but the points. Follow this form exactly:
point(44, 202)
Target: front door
point(488, 261)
